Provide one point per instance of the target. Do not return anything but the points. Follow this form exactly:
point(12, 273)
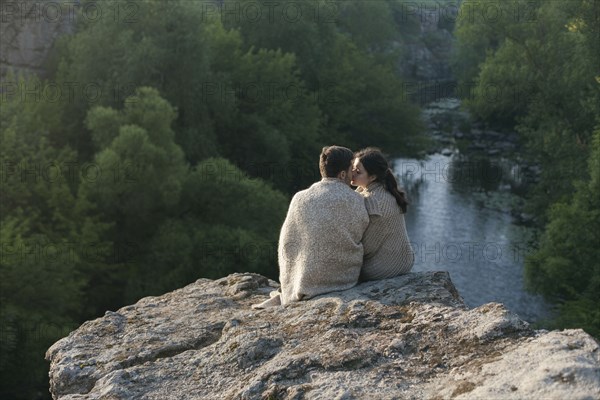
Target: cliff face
point(426, 51)
point(28, 30)
point(426, 55)
point(410, 337)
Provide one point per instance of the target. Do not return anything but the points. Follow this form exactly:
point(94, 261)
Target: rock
point(28, 31)
point(447, 152)
point(558, 365)
point(411, 337)
point(524, 218)
point(477, 145)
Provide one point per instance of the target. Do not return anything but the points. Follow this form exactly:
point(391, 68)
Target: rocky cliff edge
point(411, 337)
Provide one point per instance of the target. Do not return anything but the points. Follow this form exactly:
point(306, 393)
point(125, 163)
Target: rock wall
point(410, 337)
point(426, 53)
point(28, 30)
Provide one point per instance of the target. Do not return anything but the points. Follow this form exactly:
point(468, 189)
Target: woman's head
point(370, 165)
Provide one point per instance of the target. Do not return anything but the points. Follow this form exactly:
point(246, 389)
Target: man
point(320, 249)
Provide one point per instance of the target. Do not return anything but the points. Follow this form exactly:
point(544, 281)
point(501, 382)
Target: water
point(459, 221)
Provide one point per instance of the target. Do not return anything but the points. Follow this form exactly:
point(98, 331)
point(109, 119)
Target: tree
point(158, 44)
point(49, 238)
point(566, 267)
point(348, 67)
point(181, 223)
point(142, 169)
point(138, 185)
point(228, 222)
point(267, 121)
point(535, 67)
point(537, 70)
point(370, 25)
point(231, 101)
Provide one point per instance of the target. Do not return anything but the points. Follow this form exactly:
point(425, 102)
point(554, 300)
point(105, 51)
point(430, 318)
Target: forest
point(166, 142)
point(539, 73)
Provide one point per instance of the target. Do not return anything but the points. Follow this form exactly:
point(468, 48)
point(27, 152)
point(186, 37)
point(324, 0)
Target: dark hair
point(333, 160)
point(375, 163)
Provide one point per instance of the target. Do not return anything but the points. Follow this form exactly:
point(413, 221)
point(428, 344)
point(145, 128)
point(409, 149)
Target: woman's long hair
point(375, 163)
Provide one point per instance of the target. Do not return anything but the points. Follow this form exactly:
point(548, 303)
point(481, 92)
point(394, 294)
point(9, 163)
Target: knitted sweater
point(388, 252)
point(320, 247)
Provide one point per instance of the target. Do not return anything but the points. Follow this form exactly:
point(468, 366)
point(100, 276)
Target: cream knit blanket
point(320, 249)
point(388, 252)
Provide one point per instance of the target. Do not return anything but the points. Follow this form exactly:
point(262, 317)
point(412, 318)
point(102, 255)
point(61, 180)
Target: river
point(459, 220)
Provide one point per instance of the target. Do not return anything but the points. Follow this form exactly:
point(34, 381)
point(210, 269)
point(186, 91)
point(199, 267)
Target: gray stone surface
point(28, 29)
point(426, 55)
point(410, 337)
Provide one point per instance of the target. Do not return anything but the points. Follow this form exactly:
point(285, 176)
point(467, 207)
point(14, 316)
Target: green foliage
point(176, 137)
point(370, 25)
point(228, 223)
point(248, 105)
point(46, 234)
point(382, 115)
point(272, 119)
point(141, 173)
point(566, 267)
point(308, 36)
point(537, 70)
point(251, 203)
point(181, 223)
point(142, 167)
point(344, 56)
point(251, 90)
point(165, 46)
point(262, 112)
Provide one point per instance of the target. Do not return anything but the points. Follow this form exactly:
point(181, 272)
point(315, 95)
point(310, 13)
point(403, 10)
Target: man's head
point(336, 162)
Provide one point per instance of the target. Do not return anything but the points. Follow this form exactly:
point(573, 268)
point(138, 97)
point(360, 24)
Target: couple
point(333, 236)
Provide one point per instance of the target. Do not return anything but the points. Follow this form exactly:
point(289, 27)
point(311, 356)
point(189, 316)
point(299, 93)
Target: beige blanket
point(320, 247)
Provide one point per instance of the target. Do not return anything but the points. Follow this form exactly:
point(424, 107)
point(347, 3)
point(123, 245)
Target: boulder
point(410, 337)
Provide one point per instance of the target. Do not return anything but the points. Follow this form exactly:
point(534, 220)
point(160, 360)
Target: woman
point(387, 250)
